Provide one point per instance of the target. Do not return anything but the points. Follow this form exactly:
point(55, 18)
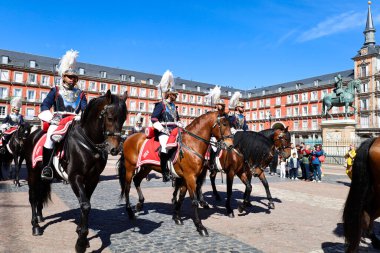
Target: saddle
point(9, 131)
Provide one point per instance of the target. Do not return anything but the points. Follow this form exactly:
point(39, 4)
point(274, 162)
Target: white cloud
point(332, 25)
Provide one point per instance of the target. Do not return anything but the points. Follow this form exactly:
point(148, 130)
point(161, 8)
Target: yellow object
point(350, 157)
point(349, 173)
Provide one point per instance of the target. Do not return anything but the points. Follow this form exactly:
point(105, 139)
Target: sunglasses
point(71, 77)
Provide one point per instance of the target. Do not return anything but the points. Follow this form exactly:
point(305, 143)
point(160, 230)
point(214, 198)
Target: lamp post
point(269, 117)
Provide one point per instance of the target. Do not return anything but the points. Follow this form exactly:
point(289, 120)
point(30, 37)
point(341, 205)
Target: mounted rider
point(338, 90)
point(237, 118)
point(11, 120)
point(165, 118)
point(64, 98)
point(138, 128)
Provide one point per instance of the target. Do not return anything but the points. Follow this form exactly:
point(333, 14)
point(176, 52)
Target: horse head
point(109, 113)
point(282, 141)
point(22, 133)
point(221, 126)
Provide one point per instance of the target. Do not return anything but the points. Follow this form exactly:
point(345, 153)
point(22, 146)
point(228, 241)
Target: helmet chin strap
point(68, 86)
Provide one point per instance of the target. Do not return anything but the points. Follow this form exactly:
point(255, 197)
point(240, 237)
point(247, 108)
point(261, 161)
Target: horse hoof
point(37, 231)
point(205, 205)
point(178, 221)
point(139, 207)
point(241, 208)
point(271, 205)
point(247, 204)
point(203, 232)
point(231, 215)
point(40, 218)
point(131, 215)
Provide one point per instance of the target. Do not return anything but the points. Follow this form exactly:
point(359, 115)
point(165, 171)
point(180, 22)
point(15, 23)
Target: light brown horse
point(194, 142)
point(362, 206)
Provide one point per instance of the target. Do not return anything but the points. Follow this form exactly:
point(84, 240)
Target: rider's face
point(70, 79)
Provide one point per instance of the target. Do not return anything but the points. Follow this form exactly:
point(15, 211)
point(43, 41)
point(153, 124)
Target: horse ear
point(286, 129)
point(125, 96)
point(109, 97)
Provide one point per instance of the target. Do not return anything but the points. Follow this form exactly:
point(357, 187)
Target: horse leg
point(230, 180)
point(80, 190)
point(247, 193)
point(128, 179)
point(35, 186)
point(178, 204)
point(143, 173)
point(264, 181)
point(16, 169)
point(214, 190)
point(202, 202)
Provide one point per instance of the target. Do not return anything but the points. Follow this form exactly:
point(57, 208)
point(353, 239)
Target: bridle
point(280, 139)
point(102, 116)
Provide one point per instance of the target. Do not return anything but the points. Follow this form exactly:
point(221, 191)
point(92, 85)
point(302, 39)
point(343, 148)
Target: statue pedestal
point(337, 135)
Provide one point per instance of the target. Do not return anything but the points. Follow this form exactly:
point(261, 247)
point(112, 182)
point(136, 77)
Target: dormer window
point(132, 79)
point(32, 64)
point(103, 74)
point(123, 77)
point(298, 86)
point(81, 71)
point(4, 60)
point(263, 92)
point(150, 81)
point(183, 86)
point(229, 93)
point(249, 94)
point(198, 88)
point(316, 83)
point(279, 89)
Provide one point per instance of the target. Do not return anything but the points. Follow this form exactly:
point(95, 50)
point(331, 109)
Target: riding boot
point(4, 146)
point(164, 168)
point(212, 161)
point(47, 170)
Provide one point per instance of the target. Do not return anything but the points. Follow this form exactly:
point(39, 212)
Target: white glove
point(179, 124)
point(158, 126)
point(165, 131)
point(233, 131)
point(54, 122)
point(77, 117)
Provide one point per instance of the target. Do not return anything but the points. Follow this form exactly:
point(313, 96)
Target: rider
point(219, 106)
point(165, 118)
point(65, 97)
point(12, 119)
point(237, 119)
point(338, 90)
point(138, 124)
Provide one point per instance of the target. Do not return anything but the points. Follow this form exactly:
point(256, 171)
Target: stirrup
point(47, 173)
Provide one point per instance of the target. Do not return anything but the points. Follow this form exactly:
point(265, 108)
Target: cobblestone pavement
point(307, 218)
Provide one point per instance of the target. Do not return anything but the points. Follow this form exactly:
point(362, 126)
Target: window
point(184, 110)
point(364, 87)
point(247, 105)
point(183, 86)
point(19, 77)
point(229, 93)
point(132, 120)
point(113, 89)
point(254, 104)
point(57, 80)
point(261, 103)
point(4, 60)
point(314, 95)
point(142, 93)
point(123, 89)
point(364, 121)
point(132, 105)
point(199, 100)
point(81, 71)
point(192, 99)
point(142, 107)
point(267, 102)
point(132, 79)
point(296, 125)
point(364, 104)
point(304, 111)
point(3, 92)
point(261, 127)
point(288, 112)
point(3, 110)
point(92, 86)
point(198, 88)
point(279, 89)
point(30, 113)
point(123, 77)
point(184, 98)
point(295, 98)
point(263, 92)
point(32, 78)
point(248, 117)
point(304, 124)
point(278, 113)
point(296, 111)
point(314, 124)
point(262, 116)
point(324, 93)
point(31, 95)
point(305, 97)
point(150, 81)
point(192, 113)
point(45, 80)
point(249, 94)
point(82, 84)
point(4, 75)
point(199, 111)
point(43, 95)
point(254, 115)
point(133, 91)
point(103, 87)
point(316, 83)
point(289, 99)
point(17, 92)
point(151, 107)
point(103, 74)
point(32, 64)
point(151, 93)
point(254, 127)
point(363, 71)
point(278, 100)
point(314, 110)
point(298, 86)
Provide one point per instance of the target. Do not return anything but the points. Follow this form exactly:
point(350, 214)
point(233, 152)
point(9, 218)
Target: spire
point(369, 31)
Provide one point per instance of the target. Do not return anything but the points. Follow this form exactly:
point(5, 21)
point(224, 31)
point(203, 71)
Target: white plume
point(138, 118)
point(16, 102)
point(214, 95)
point(67, 62)
point(235, 99)
point(167, 81)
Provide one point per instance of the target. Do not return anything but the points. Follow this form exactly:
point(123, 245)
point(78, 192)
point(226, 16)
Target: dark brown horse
point(233, 162)
point(362, 206)
point(194, 142)
point(86, 148)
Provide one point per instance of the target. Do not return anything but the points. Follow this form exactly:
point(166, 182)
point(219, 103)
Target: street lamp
point(269, 117)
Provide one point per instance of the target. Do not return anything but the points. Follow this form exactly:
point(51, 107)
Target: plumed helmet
point(240, 104)
point(219, 102)
point(16, 103)
point(67, 64)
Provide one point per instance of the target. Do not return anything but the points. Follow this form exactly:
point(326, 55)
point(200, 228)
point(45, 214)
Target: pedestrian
point(316, 163)
point(294, 164)
point(306, 163)
point(283, 168)
point(350, 156)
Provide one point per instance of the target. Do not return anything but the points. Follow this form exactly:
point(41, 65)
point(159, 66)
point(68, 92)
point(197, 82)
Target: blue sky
point(243, 44)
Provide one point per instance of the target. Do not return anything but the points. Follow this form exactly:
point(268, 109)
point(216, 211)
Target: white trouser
point(49, 143)
point(163, 138)
point(213, 139)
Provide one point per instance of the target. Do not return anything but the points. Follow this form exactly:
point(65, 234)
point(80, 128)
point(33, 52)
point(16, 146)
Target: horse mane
point(268, 133)
point(196, 121)
point(254, 146)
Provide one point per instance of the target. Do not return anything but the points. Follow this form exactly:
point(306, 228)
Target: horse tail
point(122, 172)
point(358, 196)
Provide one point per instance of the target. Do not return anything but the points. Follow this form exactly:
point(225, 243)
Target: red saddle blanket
point(64, 125)
point(149, 150)
point(11, 130)
point(38, 151)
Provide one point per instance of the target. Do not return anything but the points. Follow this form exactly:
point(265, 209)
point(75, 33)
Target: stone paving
point(307, 218)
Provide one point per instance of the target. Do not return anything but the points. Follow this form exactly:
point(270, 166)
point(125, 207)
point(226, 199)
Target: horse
point(14, 151)
point(193, 143)
point(348, 99)
point(234, 163)
point(362, 205)
point(85, 147)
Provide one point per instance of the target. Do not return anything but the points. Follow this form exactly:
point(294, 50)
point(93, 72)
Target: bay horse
point(86, 146)
point(362, 205)
point(193, 144)
point(253, 163)
point(14, 151)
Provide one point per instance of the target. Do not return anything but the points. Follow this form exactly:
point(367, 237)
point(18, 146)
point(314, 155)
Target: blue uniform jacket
point(7, 119)
point(234, 120)
point(50, 101)
point(161, 113)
